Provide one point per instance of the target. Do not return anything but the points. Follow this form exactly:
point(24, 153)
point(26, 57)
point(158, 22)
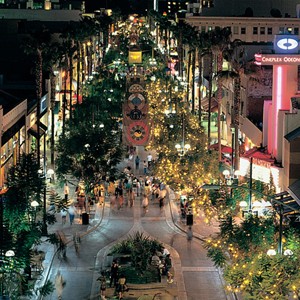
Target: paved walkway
point(193, 271)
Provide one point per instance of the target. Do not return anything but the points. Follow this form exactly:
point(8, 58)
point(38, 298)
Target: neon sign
point(269, 59)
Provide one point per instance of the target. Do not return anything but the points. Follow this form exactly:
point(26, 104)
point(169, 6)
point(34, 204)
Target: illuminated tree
point(91, 146)
point(172, 123)
point(241, 250)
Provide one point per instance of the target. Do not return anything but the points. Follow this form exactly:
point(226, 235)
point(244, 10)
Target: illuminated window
point(210, 28)
point(255, 30)
point(243, 30)
point(270, 30)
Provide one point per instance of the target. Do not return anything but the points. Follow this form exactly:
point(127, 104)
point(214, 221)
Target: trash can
point(85, 219)
point(189, 219)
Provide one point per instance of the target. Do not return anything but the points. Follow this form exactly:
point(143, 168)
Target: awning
point(285, 202)
point(10, 132)
point(224, 148)
point(214, 104)
point(294, 190)
point(34, 130)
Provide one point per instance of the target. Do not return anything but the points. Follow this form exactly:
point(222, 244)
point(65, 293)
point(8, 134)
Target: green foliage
point(21, 232)
point(265, 277)
point(55, 199)
point(91, 145)
point(240, 249)
point(217, 256)
point(140, 247)
point(46, 289)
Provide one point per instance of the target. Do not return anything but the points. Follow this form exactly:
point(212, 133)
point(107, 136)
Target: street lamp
point(152, 62)
point(34, 204)
point(3, 289)
point(43, 177)
point(231, 177)
point(182, 148)
point(50, 173)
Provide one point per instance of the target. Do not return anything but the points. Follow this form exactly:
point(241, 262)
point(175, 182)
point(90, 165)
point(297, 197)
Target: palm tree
point(104, 22)
point(51, 57)
point(220, 39)
point(235, 54)
point(202, 46)
point(190, 39)
point(34, 46)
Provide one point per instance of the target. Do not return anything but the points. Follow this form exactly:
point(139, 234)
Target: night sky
point(126, 6)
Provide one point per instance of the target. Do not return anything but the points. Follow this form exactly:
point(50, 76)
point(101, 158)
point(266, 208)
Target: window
point(203, 28)
point(262, 30)
point(281, 30)
point(243, 30)
point(270, 30)
point(255, 30)
point(296, 30)
point(235, 30)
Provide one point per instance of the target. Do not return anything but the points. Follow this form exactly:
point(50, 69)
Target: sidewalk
point(69, 231)
point(101, 215)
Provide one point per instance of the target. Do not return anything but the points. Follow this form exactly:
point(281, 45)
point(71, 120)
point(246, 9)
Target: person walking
point(121, 286)
point(59, 285)
point(72, 211)
point(63, 214)
point(145, 203)
point(131, 197)
point(102, 280)
point(119, 195)
point(189, 234)
point(145, 166)
point(149, 159)
point(137, 164)
point(66, 191)
point(114, 273)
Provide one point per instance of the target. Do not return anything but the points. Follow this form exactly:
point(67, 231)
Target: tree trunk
point(236, 108)
point(180, 55)
point(78, 72)
point(39, 79)
point(209, 99)
point(64, 102)
point(188, 78)
point(71, 85)
point(52, 100)
point(193, 80)
point(200, 84)
point(219, 97)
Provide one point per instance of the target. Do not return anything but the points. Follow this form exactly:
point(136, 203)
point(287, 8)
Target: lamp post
point(250, 185)
point(50, 173)
point(183, 147)
point(34, 204)
point(42, 175)
point(3, 290)
point(280, 210)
